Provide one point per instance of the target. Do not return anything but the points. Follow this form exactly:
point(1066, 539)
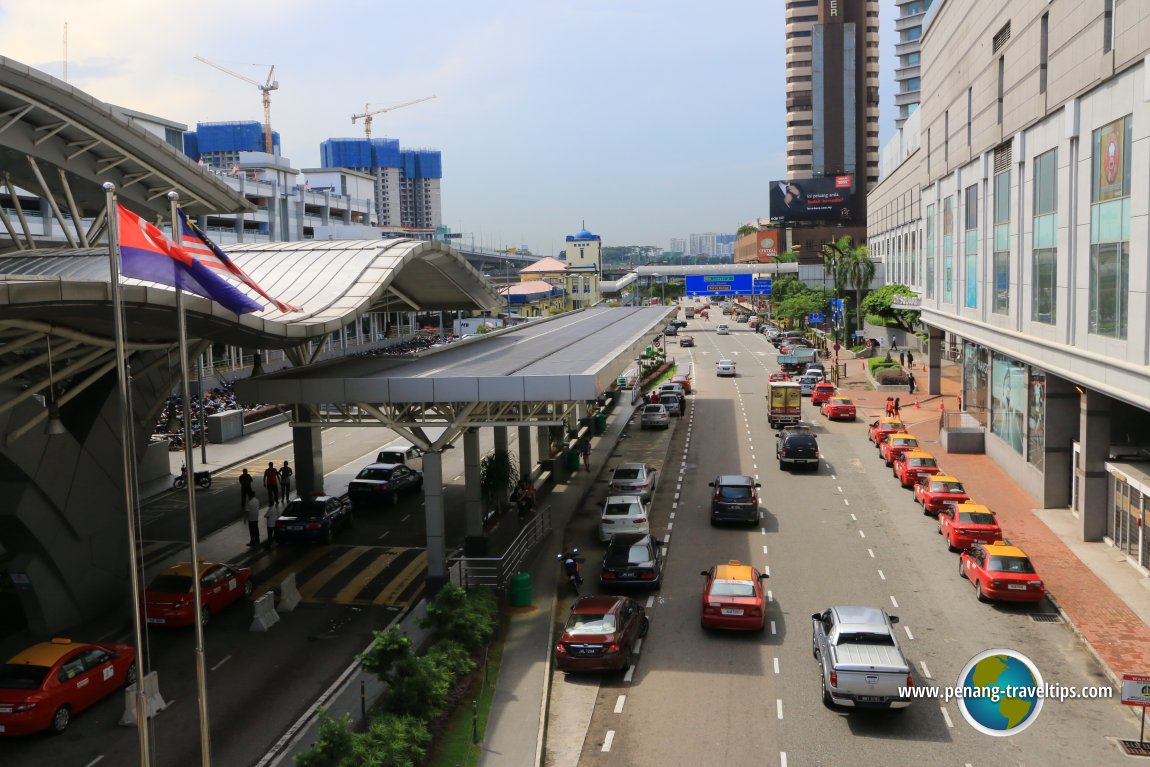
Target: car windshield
point(946, 487)
point(865, 637)
point(906, 441)
point(802, 440)
point(627, 473)
point(732, 589)
point(622, 509)
point(841, 401)
point(924, 462)
point(171, 584)
point(976, 518)
point(726, 362)
point(20, 676)
point(305, 509)
point(381, 475)
point(590, 623)
point(735, 492)
point(628, 555)
point(1010, 565)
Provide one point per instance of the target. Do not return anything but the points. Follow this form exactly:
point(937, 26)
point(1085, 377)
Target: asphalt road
point(846, 534)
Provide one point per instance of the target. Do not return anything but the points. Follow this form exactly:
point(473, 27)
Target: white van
point(401, 452)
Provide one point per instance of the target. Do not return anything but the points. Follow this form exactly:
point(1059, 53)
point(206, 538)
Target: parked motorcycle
point(202, 479)
point(571, 569)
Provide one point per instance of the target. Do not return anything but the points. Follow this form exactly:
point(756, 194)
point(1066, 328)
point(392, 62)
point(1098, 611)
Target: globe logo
point(1000, 692)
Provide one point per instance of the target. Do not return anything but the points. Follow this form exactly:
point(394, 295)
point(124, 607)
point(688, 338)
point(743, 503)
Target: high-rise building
point(678, 245)
point(908, 27)
point(407, 189)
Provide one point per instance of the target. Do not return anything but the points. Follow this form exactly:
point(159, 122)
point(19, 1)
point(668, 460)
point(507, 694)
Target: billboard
point(826, 199)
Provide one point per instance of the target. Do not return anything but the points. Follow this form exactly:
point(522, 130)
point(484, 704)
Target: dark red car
point(600, 634)
point(168, 599)
point(822, 392)
point(908, 467)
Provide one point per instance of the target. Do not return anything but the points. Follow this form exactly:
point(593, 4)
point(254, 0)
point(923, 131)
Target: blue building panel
point(386, 152)
point(430, 164)
point(246, 136)
point(192, 145)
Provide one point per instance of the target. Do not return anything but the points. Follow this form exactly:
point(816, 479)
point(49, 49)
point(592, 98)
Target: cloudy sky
point(647, 120)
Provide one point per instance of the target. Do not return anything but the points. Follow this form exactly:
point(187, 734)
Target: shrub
point(390, 741)
point(466, 617)
point(891, 377)
point(451, 658)
point(416, 685)
point(877, 363)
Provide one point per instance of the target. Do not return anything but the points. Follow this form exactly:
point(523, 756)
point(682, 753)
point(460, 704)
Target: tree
point(878, 303)
point(746, 229)
point(800, 304)
point(787, 258)
point(856, 269)
point(497, 477)
point(833, 254)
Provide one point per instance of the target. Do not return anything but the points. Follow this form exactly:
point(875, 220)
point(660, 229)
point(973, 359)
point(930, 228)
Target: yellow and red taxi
point(878, 430)
point(967, 524)
point(779, 375)
point(168, 599)
point(999, 571)
point(936, 491)
point(683, 380)
point(44, 686)
point(898, 442)
point(733, 598)
point(838, 407)
point(909, 466)
point(822, 392)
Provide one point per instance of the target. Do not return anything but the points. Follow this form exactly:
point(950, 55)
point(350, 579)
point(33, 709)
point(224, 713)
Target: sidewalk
point(1105, 601)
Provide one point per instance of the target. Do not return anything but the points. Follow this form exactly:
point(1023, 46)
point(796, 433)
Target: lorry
point(860, 659)
point(690, 312)
point(784, 403)
point(798, 359)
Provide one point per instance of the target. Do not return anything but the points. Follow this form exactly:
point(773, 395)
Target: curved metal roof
point(332, 281)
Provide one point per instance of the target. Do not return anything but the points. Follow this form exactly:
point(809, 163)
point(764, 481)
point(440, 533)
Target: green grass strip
point(455, 747)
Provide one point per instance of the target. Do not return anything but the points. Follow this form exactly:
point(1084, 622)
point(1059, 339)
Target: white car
point(725, 368)
point(807, 383)
point(723, 329)
point(623, 514)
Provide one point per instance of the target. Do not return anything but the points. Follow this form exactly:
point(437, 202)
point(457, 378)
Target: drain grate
point(1135, 747)
point(1046, 618)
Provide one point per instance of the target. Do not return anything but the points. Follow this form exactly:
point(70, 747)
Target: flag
point(147, 255)
point(198, 246)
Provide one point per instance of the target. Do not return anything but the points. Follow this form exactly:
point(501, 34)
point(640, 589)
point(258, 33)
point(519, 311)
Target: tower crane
point(265, 88)
point(368, 112)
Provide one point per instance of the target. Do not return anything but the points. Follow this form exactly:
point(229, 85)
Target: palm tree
point(833, 255)
point(746, 229)
point(856, 269)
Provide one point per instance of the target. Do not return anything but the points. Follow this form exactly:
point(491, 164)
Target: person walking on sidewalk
point(911, 388)
point(896, 407)
point(285, 481)
point(272, 483)
point(902, 359)
point(910, 359)
point(889, 407)
point(252, 507)
point(271, 516)
point(245, 488)
point(585, 451)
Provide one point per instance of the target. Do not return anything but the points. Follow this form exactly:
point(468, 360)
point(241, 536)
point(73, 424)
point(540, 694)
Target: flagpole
point(143, 722)
point(190, 476)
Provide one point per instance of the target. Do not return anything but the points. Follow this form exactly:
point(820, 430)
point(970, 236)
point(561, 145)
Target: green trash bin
point(520, 590)
point(572, 459)
point(600, 423)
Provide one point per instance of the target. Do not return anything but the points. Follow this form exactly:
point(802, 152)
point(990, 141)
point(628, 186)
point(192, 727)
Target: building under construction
point(407, 181)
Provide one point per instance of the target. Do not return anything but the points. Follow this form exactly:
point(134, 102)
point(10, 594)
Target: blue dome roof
point(582, 234)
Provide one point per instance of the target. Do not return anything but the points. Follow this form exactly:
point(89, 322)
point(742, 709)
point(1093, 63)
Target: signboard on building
point(906, 302)
point(768, 245)
point(826, 199)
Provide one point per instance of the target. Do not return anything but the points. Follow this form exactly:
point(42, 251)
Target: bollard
point(154, 702)
point(265, 613)
point(289, 595)
point(474, 721)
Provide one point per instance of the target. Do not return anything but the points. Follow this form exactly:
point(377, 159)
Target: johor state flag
point(196, 243)
point(147, 255)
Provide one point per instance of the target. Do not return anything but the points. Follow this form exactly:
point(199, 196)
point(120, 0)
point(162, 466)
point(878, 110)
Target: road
point(846, 534)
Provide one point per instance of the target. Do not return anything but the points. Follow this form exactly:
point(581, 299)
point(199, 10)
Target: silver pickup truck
point(861, 661)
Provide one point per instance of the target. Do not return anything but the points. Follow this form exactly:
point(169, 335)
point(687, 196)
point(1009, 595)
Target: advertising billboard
point(825, 199)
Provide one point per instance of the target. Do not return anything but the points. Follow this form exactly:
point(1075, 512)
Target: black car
point(678, 323)
point(632, 559)
point(313, 519)
point(671, 330)
point(383, 483)
point(797, 446)
point(736, 499)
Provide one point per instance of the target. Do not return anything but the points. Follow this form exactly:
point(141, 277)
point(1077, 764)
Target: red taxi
point(937, 491)
point(779, 375)
point(733, 598)
point(683, 380)
point(967, 524)
point(822, 392)
point(999, 571)
point(838, 407)
point(168, 599)
point(878, 430)
point(898, 442)
point(912, 464)
point(44, 686)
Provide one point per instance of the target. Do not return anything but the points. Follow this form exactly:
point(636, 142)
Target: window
point(1001, 302)
point(948, 250)
point(1008, 399)
point(1044, 272)
point(1001, 85)
point(1107, 26)
point(911, 84)
point(911, 59)
point(970, 251)
point(930, 251)
point(1110, 229)
point(1043, 51)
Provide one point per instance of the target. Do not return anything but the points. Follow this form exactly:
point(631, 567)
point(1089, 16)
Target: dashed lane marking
point(670, 526)
point(638, 646)
point(619, 704)
point(776, 665)
point(908, 634)
point(650, 601)
point(925, 670)
point(222, 662)
point(847, 501)
point(854, 518)
point(871, 552)
point(770, 596)
point(629, 675)
point(666, 539)
point(773, 632)
point(862, 534)
point(764, 549)
point(608, 740)
point(763, 530)
point(779, 706)
point(893, 601)
point(881, 575)
point(946, 716)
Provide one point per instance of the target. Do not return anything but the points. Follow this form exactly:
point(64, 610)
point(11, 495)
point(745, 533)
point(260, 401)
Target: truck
point(861, 662)
point(690, 312)
point(784, 403)
point(796, 361)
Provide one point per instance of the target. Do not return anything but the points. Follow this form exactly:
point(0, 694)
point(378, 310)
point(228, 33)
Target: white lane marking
point(457, 478)
point(925, 670)
point(782, 759)
point(834, 477)
point(672, 515)
point(755, 466)
point(638, 646)
point(946, 716)
point(764, 549)
point(607, 740)
point(651, 601)
point(854, 518)
point(871, 552)
point(405, 518)
point(764, 530)
point(893, 601)
point(880, 575)
point(676, 498)
point(674, 505)
point(670, 526)
point(908, 634)
point(846, 501)
point(767, 571)
point(779, 705)
point(385, 532)
point(862, 534)
point(619, 704)
point(776, 665)
point(666, 539)
point(772, 628)
point(678, 486)
point(97, 760)
point(222, 662)
point(630, 674)
point(770, 596)
point(839, 488)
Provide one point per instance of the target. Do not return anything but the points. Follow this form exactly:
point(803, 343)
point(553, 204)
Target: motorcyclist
point(571, 566)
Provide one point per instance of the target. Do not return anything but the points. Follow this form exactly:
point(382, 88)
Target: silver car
point(633, 479)
point(654, 416)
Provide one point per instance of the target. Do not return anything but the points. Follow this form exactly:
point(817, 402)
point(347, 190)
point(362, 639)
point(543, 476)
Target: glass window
point(1008, 399)
point(975, 367)
point(948, 250)
point(930, 251)
point(1036, 421)
point(1044, 270)
point(912, 59)
point(1001, 260)
point(1110, 229)
point(970, 250)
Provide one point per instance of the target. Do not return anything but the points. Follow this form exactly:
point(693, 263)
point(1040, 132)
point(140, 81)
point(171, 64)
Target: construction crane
point(266, 89)
point(368, 112)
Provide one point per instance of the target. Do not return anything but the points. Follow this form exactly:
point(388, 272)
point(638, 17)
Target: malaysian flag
point(196, 243)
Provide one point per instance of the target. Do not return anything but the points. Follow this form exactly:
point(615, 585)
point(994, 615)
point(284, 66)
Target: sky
point(640, 120)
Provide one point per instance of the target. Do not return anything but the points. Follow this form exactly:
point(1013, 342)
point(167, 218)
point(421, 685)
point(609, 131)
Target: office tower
point(907, 78)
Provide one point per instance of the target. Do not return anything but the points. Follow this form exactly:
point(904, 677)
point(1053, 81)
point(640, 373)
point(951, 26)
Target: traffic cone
point(942, 404)
point(916, 407)
point(924, 368)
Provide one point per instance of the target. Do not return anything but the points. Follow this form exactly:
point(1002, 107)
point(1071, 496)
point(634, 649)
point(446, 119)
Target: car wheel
point(827, 701)
point(961, 569)
point(205, 616)
point(644, 627)
point(950, 544)
point(248, 588)
point(130, 676)
point(60, 720)
point(979, 594)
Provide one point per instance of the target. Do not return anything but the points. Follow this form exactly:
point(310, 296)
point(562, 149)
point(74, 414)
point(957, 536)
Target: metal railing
point(959, 420)
point(494, 572)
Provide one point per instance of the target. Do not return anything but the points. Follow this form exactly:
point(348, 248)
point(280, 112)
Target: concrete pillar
point(543, 442)
point(473, 497)
point(934, 362)
point(433, 520)
point(1062, 417)
point(307, 444)
point(1094, 436)
point(525, 462)
point(500, 438)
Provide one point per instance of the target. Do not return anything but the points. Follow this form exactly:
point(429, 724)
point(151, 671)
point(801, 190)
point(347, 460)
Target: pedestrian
point(585, 449)
point(896, 407)
point(893, 344)
point(902, 359)
point(910, 359)
point(285, 481)
point(889, 407)
point(272, 483)
point(524, 498)
point(245, 487)
point(910, 383)
point(270, 516)
point(252, 507)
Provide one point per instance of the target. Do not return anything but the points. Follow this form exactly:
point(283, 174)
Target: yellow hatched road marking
point(378, 565)
point(308, 590)
point(298, 565)
point(403, 580)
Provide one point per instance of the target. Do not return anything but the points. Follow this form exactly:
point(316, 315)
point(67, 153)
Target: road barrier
point(153, 702)
point(265, 613)
point(289, 595)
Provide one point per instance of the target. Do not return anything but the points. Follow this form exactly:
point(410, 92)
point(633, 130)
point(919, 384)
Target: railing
point(959, 420)
point(494, 572)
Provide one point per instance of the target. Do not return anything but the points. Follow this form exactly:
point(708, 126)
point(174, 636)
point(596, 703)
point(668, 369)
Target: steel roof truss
point(16, 116)
point(49, 131)
point(81, 147)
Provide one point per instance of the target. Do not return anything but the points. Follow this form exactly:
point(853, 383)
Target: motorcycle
point(202, 479)
point(571, 568)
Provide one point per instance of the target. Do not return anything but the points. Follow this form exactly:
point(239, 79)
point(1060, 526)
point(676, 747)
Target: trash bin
point(600, 423)
point(572, 459)
point(520, 590)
